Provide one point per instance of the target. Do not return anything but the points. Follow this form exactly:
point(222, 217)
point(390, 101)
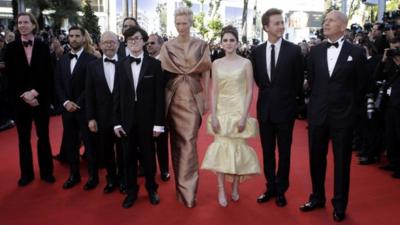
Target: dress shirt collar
point(78, 53)
point(139, 56)
point(114, 58)
point(340, 41)
point(276, 44)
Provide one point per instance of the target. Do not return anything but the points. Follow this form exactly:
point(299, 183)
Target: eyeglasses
point(134, 38)
point(151, 43)
point(109, 42)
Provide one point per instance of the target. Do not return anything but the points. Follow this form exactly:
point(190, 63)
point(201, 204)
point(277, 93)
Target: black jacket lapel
point(343, 55)
point(143, 69)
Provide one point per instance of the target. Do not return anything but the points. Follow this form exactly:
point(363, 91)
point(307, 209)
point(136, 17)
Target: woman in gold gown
point(186, 61)
point(231, 93)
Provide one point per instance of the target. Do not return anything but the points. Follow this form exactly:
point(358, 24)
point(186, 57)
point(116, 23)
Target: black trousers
point(161, 145)
point(392, 133)
point(40, 116)
point(139, 139)
point(372, 134)
point(109, 153)
point(76, 129)
point(280, 133)
point(319, 137)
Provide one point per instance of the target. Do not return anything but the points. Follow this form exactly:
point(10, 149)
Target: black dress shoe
point(311, 205)
point(25, 181)
point(265, 197)
point(49, 179)
point(122, 188)
point(91, 184)
point(338, 216)
point(71, 181)
point(165, 176)
point(388, 167)
point(110, 187)
point(280, 200)
point(366, 160)
point(154, 198)
point(129, 200)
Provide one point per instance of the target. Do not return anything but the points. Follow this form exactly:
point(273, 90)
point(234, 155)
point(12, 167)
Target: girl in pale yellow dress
point(231, 94)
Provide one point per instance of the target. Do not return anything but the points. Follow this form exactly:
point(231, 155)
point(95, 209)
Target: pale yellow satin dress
point(229, 153)
point(185, 106)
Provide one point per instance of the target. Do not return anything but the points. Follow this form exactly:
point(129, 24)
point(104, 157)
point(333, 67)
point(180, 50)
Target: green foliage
point(199, 24)
point(90, 21)
point(64, 9)
point(161, 10)
point(188, 3)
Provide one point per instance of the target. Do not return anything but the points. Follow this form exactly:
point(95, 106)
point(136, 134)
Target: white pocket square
point(350, 58)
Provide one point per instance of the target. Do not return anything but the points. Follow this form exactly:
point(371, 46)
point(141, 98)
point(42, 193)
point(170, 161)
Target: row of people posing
point(139, 108)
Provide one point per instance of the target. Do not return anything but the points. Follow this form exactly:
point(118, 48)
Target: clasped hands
point(29, 97)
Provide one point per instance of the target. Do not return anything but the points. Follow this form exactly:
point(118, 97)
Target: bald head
point(109, 43)
point(335, 24)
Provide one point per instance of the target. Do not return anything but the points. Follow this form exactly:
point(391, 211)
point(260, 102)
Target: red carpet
point(374, 195)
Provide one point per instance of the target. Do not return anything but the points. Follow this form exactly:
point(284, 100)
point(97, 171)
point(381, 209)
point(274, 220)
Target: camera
point(382, 87)
point(370, 105)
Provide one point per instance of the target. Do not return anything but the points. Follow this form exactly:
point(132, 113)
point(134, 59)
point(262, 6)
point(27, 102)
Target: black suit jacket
point(99, 99)
point(277, 98)
point(148, 110)
point(336, 99)
point(72, 86)
point(24, 77)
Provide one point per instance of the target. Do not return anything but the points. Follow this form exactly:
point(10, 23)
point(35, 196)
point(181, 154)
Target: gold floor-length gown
point(185, 105)
point(229, 153)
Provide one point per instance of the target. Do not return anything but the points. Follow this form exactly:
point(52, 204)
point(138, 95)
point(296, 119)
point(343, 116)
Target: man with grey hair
point(99, 103)
point(337, 81)
point(154, 45)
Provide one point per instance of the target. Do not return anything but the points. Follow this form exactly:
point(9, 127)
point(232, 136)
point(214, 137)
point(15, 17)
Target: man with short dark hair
point(278, 84)
point(70, 77)
point(139, 113)
point(123, 49)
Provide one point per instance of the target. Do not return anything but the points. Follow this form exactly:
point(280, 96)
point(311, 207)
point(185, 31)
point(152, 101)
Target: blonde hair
point(184, 11)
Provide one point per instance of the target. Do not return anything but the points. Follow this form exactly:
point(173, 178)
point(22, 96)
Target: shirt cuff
point(159, 129)
point(65, 103)
point(117, 127)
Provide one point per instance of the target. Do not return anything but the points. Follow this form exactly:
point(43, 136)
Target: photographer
point(378, 37)
point(371, 119)
point(389, 70)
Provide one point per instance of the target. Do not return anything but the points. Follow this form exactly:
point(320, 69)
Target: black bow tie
point(113, 61)
point(71, 56)
point(133, 59)
point(27, 43)
point(329, 44)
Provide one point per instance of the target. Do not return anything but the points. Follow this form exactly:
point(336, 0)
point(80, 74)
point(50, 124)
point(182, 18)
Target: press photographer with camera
point(389, 70)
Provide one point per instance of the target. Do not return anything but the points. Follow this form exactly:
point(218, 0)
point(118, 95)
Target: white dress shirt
point(333, 55)
point(135, 73)
point(268, 52)
point(75, 60)
point(109, 72)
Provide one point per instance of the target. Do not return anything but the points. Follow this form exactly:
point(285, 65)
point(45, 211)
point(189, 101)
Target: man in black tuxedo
point(70, 77)
point(29, 73)
point(338, 81)
point(99, 104)
point(278, 73)
point(161, 142)
point(139, 113)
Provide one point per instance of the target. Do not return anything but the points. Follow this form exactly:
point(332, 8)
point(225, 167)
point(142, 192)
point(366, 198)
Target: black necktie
point(71, 56)
point(110, 60)
point(329, 44)
point(27, 43)
point(133, 59)
point(272, 61)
